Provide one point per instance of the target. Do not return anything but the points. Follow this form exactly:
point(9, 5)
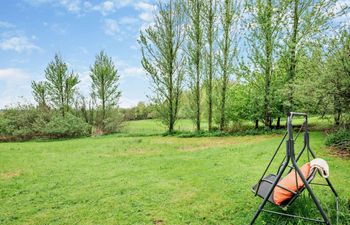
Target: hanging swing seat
point(262, 188)
point(282, 190)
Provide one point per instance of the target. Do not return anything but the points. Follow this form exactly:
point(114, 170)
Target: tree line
point(220, 61)
point(247, 60)
point(61, 110)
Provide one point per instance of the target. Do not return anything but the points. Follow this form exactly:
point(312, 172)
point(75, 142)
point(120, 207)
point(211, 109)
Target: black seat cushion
point(265, 186)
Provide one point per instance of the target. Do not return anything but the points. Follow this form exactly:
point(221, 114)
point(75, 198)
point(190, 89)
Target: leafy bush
point(339, 139)
point(18, 122)
point(112, 123)
point(68, 126)
point(26, 122)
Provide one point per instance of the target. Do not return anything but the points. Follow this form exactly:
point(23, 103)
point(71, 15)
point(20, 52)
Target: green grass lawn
point(156, 127)
point(148, 180)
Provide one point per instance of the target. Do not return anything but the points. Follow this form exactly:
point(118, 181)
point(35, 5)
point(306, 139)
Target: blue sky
point(32, 31)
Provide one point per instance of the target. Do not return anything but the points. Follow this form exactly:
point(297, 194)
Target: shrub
point(63, 127)
point(339, 139)
point(18, 122)
point(113, 122)
point(26, 122)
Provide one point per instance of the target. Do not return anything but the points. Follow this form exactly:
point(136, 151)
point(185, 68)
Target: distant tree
point(210, 31)
point(61, 84)
point(39, 90)
point(308, 21)
point(227, 46)
point(105, 82)
point(336, 81)
point(265, 29)
point(162, 58)
point(195, 57)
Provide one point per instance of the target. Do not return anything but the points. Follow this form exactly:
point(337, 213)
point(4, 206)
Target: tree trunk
point(278, 122)
point(62, 106)
point(210, 87)
point(198, 89)
point(268, 66)
point(337, 109)
point(210, 78)
point(223, 102)
point(256, 124)
point(293, 61)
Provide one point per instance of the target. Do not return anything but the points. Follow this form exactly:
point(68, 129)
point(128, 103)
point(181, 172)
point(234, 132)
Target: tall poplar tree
point(308, 21)
point(105, 82)
point(163, 58)
point(265, 29)
point(61, 84)
point(210, 31)
point(195, 57)
point(227, 47)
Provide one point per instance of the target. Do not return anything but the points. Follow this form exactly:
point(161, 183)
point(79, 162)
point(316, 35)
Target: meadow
point(151, 179)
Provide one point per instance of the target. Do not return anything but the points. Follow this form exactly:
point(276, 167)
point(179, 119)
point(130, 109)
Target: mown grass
point(148, 180)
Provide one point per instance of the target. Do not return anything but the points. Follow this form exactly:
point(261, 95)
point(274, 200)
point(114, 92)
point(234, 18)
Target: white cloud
point(18, 44)
point(111, 27)
point(127, 20)
point(147, 11)
point(78, 6)
point(12, 73)
point(133, 72)
point(73, 6)
point(15, 84)
point(144, 6)
point(127, 102)
point(59, 29)
point(146, 16)
point(4, 24)
point(105, 7)
point(85, 83)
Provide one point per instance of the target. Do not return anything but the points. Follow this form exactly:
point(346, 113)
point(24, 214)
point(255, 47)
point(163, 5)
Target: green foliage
point(61, 84)
point(162, 58)
point(64, 127)
point(26, 122)
point(105, 81)
point(195, 43)
point(18, 123)
point(40, 93)
point(339, 139)
point(113, 122)
point(227, 56)
point(141, 111)
point(105, 92)
point(210, 34)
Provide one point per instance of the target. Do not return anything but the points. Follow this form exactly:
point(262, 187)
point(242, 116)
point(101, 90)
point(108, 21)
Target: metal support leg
point(318, 205)
point(257, 213)
point(336, 198)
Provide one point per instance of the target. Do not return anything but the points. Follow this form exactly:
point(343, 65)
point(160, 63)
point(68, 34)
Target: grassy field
point(154, 126)
point(149, 180)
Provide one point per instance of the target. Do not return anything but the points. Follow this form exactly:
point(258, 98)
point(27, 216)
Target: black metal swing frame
point(272, 180)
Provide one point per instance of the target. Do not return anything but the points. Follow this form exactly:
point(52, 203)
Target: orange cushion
point(280, 195)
